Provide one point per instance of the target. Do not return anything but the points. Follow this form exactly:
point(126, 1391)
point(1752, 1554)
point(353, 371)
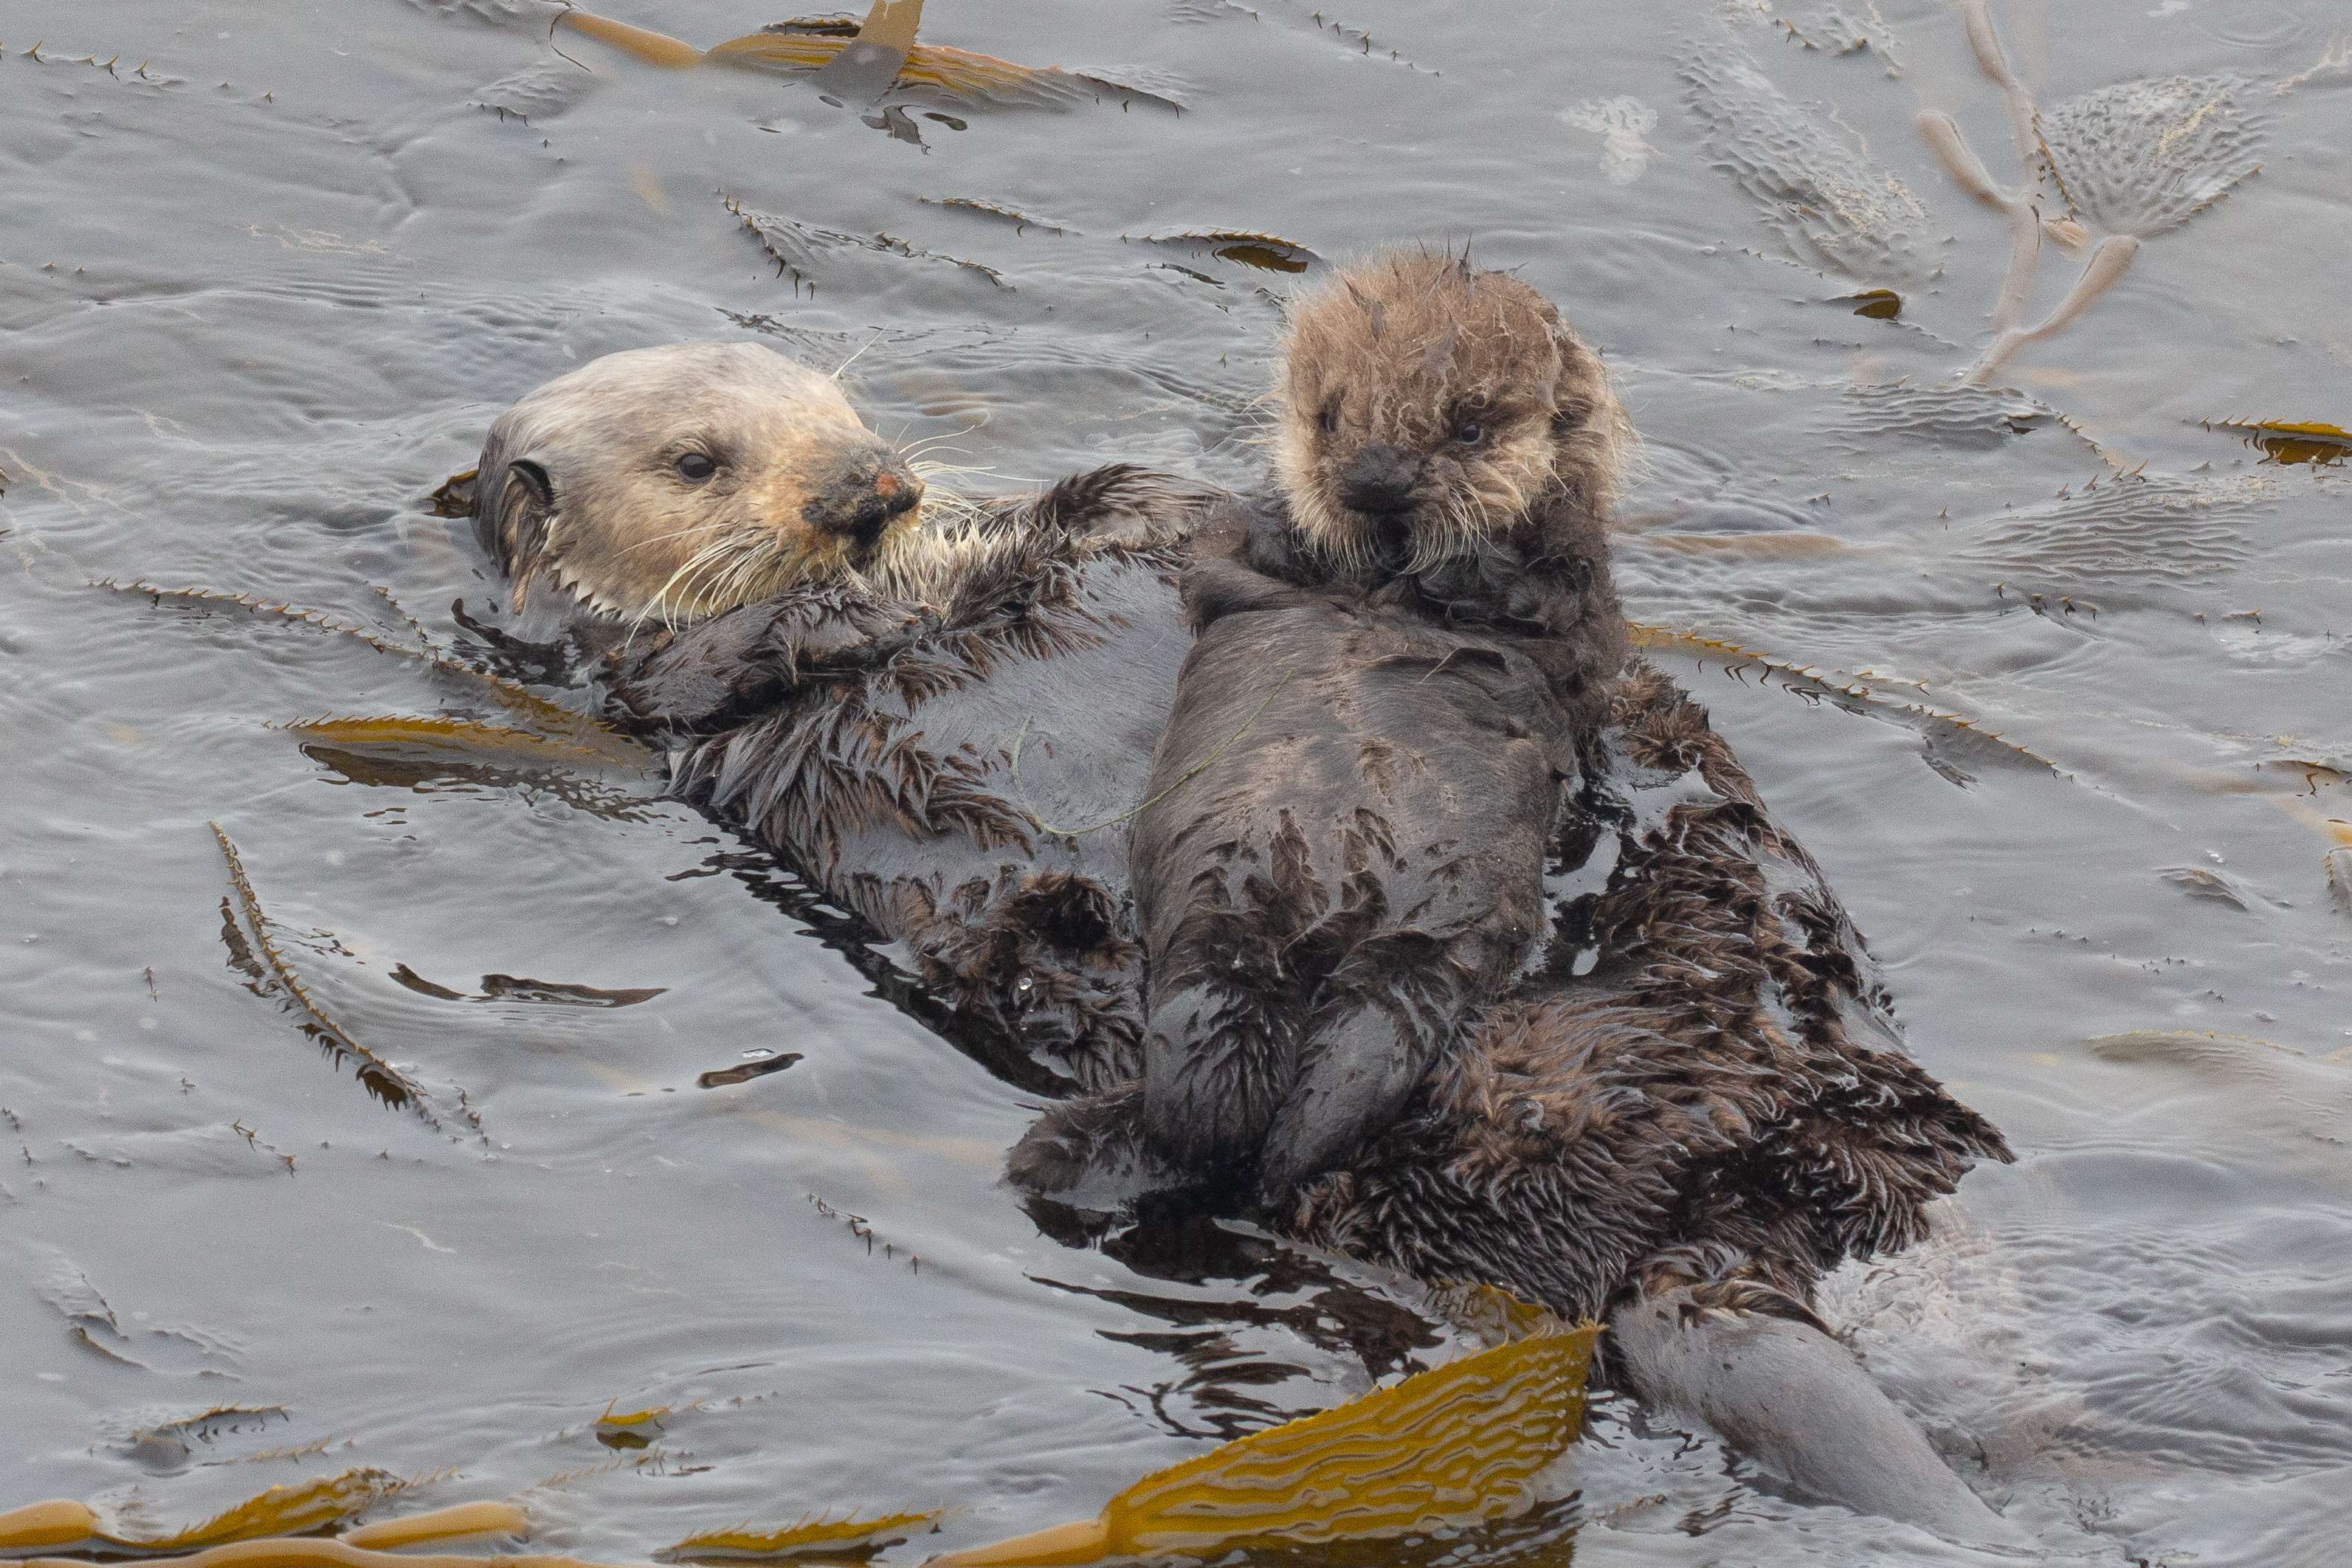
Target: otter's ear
point(514, 515)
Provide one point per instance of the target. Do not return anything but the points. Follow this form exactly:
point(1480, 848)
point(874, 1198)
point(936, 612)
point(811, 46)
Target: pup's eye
point(694, 467)
point(1327, 418)
point(1469, 433)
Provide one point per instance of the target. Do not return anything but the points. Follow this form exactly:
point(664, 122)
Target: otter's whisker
point(661, 598)
point(657, 539)
point(853, 358)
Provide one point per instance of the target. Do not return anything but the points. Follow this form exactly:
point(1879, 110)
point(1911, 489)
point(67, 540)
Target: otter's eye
point(1327, 418)
point(694, 467)
point(1469, 433)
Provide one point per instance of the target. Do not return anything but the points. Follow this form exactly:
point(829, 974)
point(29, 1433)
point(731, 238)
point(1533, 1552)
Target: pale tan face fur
point(1423, 408)
point(669, 484)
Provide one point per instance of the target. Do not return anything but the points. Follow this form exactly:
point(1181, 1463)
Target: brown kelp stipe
point(882, 53)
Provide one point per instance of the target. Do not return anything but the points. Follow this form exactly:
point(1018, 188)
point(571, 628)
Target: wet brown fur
point(1721, 1100)
point(1408, 350)
point(919, 762)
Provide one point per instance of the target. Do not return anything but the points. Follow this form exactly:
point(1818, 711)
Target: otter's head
point(1425, 409)
point(670, 484)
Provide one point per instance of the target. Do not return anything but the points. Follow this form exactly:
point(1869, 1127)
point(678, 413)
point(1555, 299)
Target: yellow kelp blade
point(811, 1538)
point(281, 1510)
point(1451, 1446)
point(455, 1522)
point(35, 1525)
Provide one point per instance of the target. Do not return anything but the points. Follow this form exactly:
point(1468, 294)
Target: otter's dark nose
point(857, 502)
point(1381, 480)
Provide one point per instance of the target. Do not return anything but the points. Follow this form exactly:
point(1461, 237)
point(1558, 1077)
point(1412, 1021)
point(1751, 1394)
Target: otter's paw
point(1095, 1142)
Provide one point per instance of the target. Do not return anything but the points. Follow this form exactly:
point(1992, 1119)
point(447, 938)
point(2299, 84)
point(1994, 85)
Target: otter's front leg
point(1792, 1398)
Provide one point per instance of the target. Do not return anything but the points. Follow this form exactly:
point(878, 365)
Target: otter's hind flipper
point(1788, 1395)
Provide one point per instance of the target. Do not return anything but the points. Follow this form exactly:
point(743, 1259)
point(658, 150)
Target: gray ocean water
point(267, 271)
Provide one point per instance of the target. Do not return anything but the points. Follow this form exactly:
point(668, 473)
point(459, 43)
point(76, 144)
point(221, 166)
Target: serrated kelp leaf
point(1019, 221)
point(1269, 252)
point(1453, 1445)
point(455, 1522)
point(631, 1429)
point(2292, 441)
point(833, 1538)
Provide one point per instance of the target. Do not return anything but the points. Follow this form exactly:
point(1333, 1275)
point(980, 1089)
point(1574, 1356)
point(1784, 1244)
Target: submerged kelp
point(1830, 202)
point(2141, 157)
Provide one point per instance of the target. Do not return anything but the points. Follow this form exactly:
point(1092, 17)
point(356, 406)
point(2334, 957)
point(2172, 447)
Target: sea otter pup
point(909, 696)
point(1342, 853)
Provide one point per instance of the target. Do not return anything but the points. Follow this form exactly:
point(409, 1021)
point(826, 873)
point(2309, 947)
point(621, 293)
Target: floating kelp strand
point(580, 727)
point(1804, 679)
point(813, 1537)
point(1020, 222)
point(382, 1079)
point(793, 246)
point(1459, 1443)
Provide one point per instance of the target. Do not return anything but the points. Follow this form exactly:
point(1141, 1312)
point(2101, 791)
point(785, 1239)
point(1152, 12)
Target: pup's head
point(670, 484)
point(1425, 409)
